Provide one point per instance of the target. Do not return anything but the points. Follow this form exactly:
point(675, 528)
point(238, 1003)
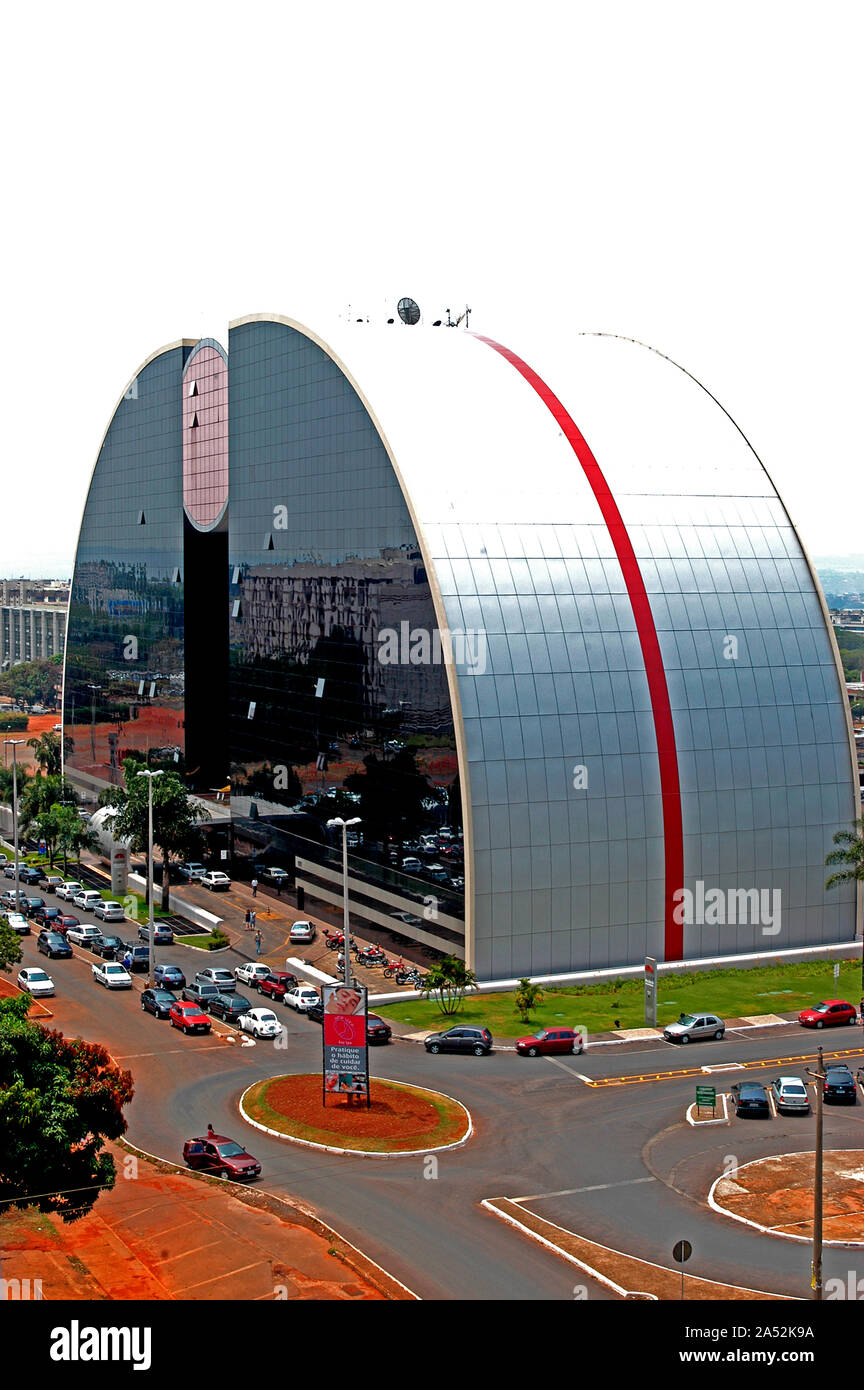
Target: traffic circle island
point(401, 1119)
point(775, 1195)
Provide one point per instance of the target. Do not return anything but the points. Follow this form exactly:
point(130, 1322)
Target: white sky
point(684, 173)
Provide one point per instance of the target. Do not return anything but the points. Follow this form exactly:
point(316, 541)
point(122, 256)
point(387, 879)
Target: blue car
point(169, 977)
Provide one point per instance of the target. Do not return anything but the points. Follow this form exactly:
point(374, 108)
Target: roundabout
point(775, 1195)
point(402, 1119)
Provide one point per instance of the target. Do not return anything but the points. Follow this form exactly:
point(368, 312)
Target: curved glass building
point(545, 627)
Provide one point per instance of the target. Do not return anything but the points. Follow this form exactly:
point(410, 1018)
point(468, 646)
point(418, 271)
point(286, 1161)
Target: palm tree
point(47, 752)
point(448, 980)
point(850, 851)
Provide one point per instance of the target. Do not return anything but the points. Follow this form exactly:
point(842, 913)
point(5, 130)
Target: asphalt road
point(616, 1161)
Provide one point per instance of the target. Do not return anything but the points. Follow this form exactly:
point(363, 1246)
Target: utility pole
point(14, 744)
point(151, 930)
point(816, 1266)
point(334, 824)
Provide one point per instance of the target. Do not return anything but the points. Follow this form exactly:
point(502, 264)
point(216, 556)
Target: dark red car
point(277, 984)
point(62, 924)
point(826, 1014)
point(221, 1156)
point(547, 1041)
point(188, 1017)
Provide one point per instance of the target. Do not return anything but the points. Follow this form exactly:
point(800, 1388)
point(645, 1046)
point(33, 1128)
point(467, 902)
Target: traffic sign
point(706, 1095)
point(681, 1251)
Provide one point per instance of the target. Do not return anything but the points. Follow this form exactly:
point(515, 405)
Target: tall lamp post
point(331, 825)
point(816, 1265)
point(14, 743)
point(150, 923)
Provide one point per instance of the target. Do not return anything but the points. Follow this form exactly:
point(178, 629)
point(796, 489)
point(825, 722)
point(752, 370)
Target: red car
point(277, 984)
point(188, 1017)
point(826, 1014)
point(221, 1156)
point(550, 1040)
point(62, 924)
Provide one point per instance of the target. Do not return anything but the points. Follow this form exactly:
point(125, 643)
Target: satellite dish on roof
point(409, 311)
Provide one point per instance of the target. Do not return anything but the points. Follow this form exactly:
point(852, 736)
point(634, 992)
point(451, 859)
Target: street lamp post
point(150, 923)
point(15, 743)
point(346, 930)
point(816, 1267)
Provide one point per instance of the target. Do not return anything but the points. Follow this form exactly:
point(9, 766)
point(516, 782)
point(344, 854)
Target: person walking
point(254, 888)
point(258, 943)
point(252, 918)
point(247, 920)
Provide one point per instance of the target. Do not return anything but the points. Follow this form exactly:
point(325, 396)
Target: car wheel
point(143, 1005)
point(185, 1029)
point(435, 1048)
point(224, 1174)
point(685, 1037)
point(819, 1023)
point(259, 989)
point(532, 1052)
point(479, 1051)
point(719, 1034)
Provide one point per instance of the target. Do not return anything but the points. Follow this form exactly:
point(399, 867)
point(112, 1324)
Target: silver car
point(691, 1026)
point(790, 1093)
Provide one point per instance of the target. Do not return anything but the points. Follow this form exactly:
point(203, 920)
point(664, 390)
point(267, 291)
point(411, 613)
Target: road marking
point(645, 1077)
point(725, 1066)
point(564, 1067)
point(573, 1191)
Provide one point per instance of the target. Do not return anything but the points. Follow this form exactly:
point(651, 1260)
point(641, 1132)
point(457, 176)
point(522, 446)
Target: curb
point(697, 1124)
point(363, 1153)
point(768, 1230)
point(489, 1205)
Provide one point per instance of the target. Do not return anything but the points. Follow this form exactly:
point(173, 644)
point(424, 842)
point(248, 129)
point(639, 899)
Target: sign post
point(706, 1095)
point(681, 1252)
point(650, 992)
point(346, 1051)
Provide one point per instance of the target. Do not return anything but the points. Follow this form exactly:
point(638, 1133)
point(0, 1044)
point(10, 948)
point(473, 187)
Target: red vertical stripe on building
point(673, 833)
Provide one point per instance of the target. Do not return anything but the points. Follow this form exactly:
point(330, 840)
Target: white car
point(261, 1023)
point(80, 935)
point(112, 975)
point(68, 889)
point(216, 975)
point(302, 998)
point(214, 879)
point(302, 931)
point(86, 899)
point(790, 1093)
point(35, 981)
point(411, 864)
point(251, 972)
point(109, 911)
point(18, 922)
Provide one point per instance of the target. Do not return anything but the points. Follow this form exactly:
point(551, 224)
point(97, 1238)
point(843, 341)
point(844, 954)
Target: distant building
point(32, 620)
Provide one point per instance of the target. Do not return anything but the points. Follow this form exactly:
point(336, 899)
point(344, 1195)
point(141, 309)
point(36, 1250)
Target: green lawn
point(729, 993)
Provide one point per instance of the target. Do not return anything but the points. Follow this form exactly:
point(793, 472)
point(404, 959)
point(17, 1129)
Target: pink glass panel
point(205, 446)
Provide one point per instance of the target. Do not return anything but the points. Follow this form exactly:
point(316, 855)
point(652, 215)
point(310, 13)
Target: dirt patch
point(399, 1118)
point(777, 1193)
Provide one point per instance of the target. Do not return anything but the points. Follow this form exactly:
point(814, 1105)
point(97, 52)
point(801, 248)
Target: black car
point(316, 1013)
point(28, 875)
point(228, 1006)
point(378, 1031)
point(157, 1001)
point(839, 1085)
point(31, 904)
point(461, 1039)
point(108, 947)
point(749, 1098)
point(53, 945)
point(44, 916)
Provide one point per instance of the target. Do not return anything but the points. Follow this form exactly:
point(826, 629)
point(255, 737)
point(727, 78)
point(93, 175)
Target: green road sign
point(706, 1095)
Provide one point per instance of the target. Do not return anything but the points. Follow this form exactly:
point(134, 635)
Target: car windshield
point(820, 1008)
point(231, 1150)
point(37, 975)
point(115, 969)
point(687, 1020)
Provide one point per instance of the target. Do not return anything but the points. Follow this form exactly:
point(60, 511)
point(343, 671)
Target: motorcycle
point(393, 967)
point(333, 940)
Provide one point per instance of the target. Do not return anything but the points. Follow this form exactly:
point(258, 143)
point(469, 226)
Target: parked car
point(790, 1094)
point(64, 922)
point(169, 977)
point(302, 931)
point(221, 1156)
point(68, 888)
point(86, 899)
point(302, 997)
point(108, 946)
point(31, 903)
point(411, 865)
point(377, 1030)
point(460, 1039)
point(53, 945)
point(280, 878)
point(190, 872)
point(109, 911)
point(827, 1014)
point(276, 984)
point(549, 1041)
point(217, 975)
point(157, 1002)
point(229, 1006)
point(82, 933)
point(35, 981)
point(9, 870)
point(188, 1016)
point(44, 916)
point(749, 1098)
point(18, 922)
point(136, 958)
point(251, 972)
point(261, 1023)
point(162, 935)
point(111, 974)
point(9, 900)
point(215, 880)
point(50, 882)
point(199, 994)
point(694, 1026)
point(839, 1085)
point(29, 876)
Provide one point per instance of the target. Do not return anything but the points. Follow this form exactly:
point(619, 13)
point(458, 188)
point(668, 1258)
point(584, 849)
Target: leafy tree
point(6, 783)
point(11, 723)
point(30, 682)
point(849, 852)
point(60, 1099)
point(48, 752)
point(526, 998)
point(447, 982)
point(10, 945)
point(175, 816)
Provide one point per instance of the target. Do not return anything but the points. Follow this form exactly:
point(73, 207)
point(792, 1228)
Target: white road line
point(564, 1067)
point(573, 1191)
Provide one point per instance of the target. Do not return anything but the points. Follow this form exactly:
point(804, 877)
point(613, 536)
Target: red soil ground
point(393, 1114)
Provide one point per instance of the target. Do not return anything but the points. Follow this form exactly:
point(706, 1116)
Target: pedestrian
point(210, 1131)
point(252, 918)
point(247, 920)
point(254, 888)
point(258, 943)
point(279, 888)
